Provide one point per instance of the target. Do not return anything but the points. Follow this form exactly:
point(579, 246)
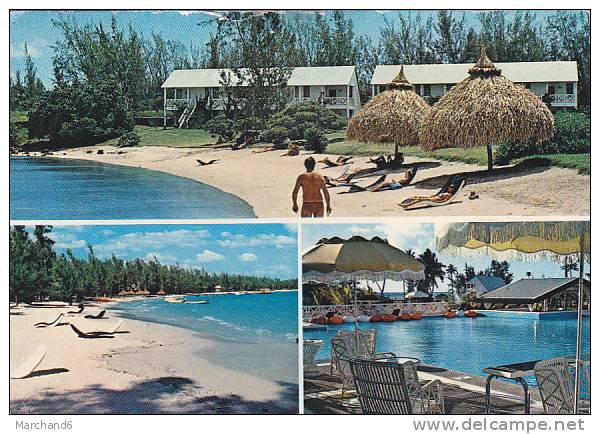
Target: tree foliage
point(38, 273)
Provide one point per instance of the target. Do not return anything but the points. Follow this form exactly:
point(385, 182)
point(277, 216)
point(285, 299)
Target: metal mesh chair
point(556, 383)
point(310, 349)
point(370, 339)
point(383, 388)
point(345, 347)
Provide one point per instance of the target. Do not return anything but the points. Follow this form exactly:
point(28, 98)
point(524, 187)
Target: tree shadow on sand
point(527, 167)
point(165, 395)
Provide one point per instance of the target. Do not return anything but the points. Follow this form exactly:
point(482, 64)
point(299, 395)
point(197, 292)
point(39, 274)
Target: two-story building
point(557, 80)
point(336, 87)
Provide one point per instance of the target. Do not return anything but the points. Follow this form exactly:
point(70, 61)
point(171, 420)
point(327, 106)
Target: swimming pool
point(470, 344)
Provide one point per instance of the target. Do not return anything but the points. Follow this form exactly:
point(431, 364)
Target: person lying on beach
point(268, 149)
point(436, 198)
point(314, 190)
point(342, 160)
point(292, 151)
point(393, 184)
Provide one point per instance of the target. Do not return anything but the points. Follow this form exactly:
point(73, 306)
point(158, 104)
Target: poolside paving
point(464, 394)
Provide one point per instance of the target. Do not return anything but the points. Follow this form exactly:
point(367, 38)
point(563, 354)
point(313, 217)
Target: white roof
point(519, 72)
point(300, 76)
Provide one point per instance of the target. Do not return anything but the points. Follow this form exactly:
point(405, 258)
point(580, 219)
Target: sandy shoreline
point(265, 181)
point(149, 368)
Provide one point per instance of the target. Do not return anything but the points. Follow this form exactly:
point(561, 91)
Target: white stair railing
point(188, 112)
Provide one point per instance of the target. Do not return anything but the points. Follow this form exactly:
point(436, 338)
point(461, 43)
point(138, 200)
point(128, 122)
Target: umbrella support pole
point(490, 158)
point(579, 329)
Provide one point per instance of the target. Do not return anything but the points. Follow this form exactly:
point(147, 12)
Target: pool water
point(469, 344)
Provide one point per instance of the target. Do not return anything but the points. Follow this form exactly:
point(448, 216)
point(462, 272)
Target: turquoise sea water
point(255, 333)
point(52, 188)
point(470, 344)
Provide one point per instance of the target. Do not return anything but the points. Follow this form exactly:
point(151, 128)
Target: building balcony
point(563, 100)
point(329, 101)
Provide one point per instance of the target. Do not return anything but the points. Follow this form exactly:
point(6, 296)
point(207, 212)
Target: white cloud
point(292, 227)
point(209, 256)
point(107, 232)
point(66, 240)
point(230, 240)
point(248, 257)
point(35, 49)
point(154, 241)
point(161, 257)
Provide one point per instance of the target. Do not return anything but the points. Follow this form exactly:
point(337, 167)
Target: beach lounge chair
point(409, 176)
point(346, 347)
point(206, 163)
point(556, 384)
point(98, 333)
point(51, 323)
point(26, 368)
point(81, 307)
point(389, 387)
point(100, 315)
point(457, 183)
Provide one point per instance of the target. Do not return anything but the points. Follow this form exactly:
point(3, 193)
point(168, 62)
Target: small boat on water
point(184, 301)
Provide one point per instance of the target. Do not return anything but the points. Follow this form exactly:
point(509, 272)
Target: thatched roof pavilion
point(486, 108)
point(391, 116)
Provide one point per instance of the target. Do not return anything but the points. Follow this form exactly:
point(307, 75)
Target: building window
point(418, 89)
point(570, 88)
point(351, 91)
point(170, 93)
point(447, 87)
point(551, 90)
point(215, 92)
point(426, 90)
point(306, 92)
point(179, 93)
point(332, 93)
point(528, 86)
point(296, 92)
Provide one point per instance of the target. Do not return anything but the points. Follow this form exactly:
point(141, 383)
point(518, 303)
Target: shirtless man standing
point(312, 184)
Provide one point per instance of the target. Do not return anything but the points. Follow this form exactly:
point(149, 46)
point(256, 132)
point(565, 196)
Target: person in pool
point(314, 190)
point(436, 198)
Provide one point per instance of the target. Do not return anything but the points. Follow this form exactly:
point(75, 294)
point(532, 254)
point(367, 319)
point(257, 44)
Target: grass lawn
point(477, 155)
point(172, 137)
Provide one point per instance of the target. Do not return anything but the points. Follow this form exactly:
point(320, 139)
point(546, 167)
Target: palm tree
point(434, 270)
point(569, 266)
point(451, 271)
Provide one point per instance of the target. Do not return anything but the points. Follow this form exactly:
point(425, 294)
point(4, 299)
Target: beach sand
point(148, 368)
point(265, 181)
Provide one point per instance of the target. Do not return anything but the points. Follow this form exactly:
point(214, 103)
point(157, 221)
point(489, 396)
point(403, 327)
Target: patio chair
point(356, 346)
point(310, 349)
point(556, 384)
point(369, 342)
point(100, 315)
point(393, 388)
point(27, 367)
point(52, 323)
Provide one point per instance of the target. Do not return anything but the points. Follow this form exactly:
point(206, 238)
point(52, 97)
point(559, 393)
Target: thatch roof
point(392, 116)
point(486, 108)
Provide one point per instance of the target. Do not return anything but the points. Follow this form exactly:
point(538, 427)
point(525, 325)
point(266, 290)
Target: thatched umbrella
point(486, 108)
point(391, 116)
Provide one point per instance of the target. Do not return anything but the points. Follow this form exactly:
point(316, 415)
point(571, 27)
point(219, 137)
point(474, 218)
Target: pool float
point(321, 320)
point(450, 314)
point(388, 318)
point(405, 316)
point(349, 318)
point(471, 314)
point(416, 316)
point(375, 318)
point(363, 318)
point(336, 319)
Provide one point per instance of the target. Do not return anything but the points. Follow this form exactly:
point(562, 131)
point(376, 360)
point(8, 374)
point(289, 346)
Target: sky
point(253, 249)
point(36, 28)
point(419, 237)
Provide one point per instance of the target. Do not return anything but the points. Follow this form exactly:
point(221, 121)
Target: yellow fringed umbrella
point(390, 116)
point(487, 109)
point(527, 238)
